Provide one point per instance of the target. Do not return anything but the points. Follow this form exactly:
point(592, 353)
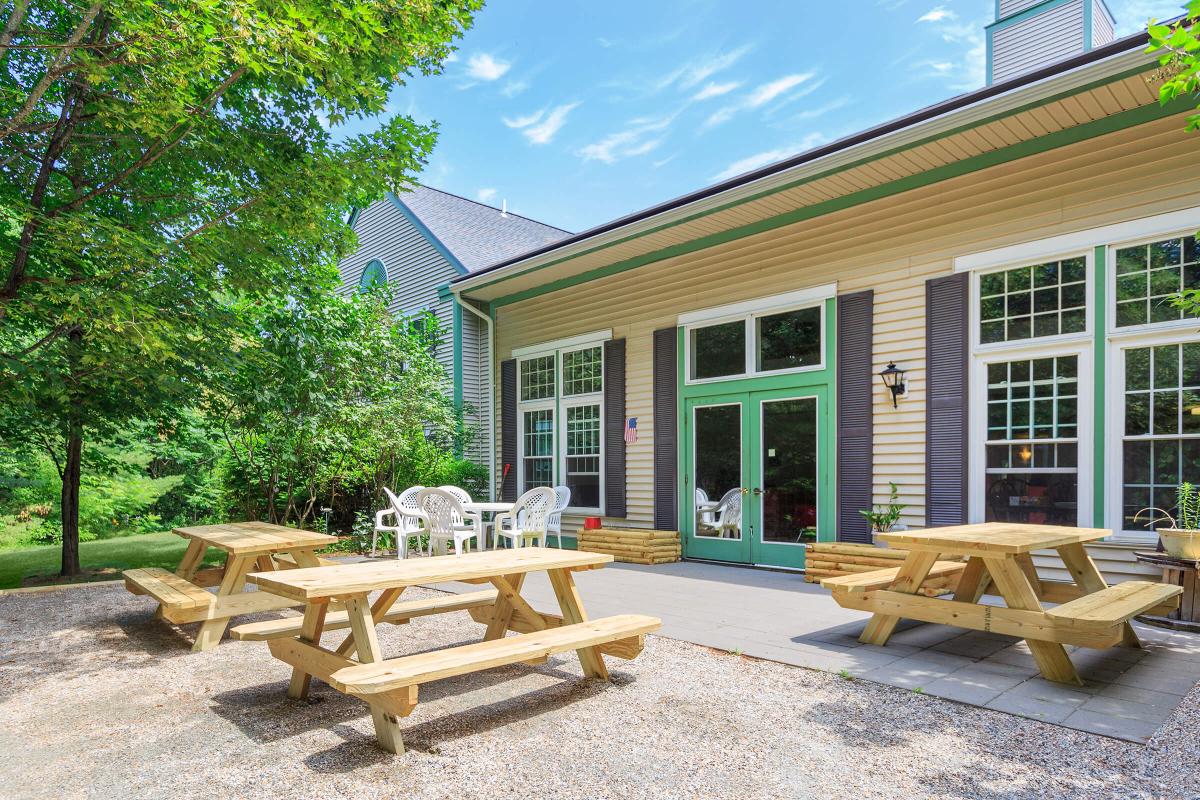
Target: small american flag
point(631, 430)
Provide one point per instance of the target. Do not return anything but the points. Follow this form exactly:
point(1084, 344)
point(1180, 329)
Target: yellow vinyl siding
point(892, 246)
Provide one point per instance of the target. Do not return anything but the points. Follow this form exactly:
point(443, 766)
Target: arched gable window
point(375, 274)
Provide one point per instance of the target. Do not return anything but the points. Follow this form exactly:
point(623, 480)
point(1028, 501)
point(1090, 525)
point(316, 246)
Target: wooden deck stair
point(398, 673)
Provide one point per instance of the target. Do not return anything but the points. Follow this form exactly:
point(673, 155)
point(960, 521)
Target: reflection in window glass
point(538, 453)
point(1162, 427)
point(583, 455)
point(537, 378)
point(717, 445)
point(582, 371)
point(718, 350)
point(789, 340)
point(789, 470)
point(1032, 441)
point(1030, 302)
point(1148, 275)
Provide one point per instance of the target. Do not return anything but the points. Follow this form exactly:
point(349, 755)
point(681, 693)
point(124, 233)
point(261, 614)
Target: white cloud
point(768, 157)
point(761, 95)
point(514, 88)
point(962, 70)
point(699, 70)
point(714, 89)
point(486, 67)
point(769, 91)
point(937, 15)
point(541, 127)
point(639, 137)
point(523, 122)
point(485, 195)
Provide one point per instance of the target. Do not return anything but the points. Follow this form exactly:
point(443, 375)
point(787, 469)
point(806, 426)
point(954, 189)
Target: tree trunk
point(70, 500)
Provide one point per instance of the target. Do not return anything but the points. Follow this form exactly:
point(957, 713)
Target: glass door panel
point(787, 491)
point(717, 481)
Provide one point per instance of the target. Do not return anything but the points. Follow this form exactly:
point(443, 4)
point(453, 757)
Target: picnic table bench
point(182, 595)
point(390, 686)
point(1091, 613)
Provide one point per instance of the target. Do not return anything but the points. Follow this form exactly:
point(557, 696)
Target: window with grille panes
point(1161, 433)
point(561, 415)
point(1033, 301)
point(1032, 447)
point(1148, 275)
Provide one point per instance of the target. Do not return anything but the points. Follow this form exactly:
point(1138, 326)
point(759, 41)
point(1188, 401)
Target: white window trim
point(749, 313)
point(1114, 479)
point(1044, 249)
point(1089, 259)
point(558, 404)
point(1111, 286)
point(977, 419)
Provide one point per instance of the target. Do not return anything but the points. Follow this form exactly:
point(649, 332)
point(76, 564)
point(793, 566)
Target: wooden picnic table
point(1091, 614)
point(357, 665)
point(182, 595)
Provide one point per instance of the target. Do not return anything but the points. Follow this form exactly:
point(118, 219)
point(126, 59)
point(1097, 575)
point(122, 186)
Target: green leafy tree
point(161, 163)
point(325, 395)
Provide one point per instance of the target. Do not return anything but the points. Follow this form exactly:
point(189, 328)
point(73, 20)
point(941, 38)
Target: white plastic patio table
point(505, 569)
point(487, 508)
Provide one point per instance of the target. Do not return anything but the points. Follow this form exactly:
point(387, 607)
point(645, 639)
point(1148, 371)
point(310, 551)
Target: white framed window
point(560, 411)
point(1030, 389)
point(1143, 274)
point(771, 336)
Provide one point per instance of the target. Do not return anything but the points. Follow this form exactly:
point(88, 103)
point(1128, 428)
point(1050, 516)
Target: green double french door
point(755, 485)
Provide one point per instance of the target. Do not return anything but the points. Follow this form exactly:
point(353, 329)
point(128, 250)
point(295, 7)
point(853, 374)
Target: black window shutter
point(666, 479)
point(508, 430)
point(614, 428)
point(855, 386)
point(946, 337)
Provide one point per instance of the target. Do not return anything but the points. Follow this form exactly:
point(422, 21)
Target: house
point(1009, 250)
point(416, 242)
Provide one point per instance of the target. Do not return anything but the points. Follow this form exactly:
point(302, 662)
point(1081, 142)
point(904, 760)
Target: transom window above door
point(1033, 301)
point(766, 337)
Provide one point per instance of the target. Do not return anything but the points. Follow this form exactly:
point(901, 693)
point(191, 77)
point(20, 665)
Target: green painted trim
point(458, 366)
point(1087, 25)
point(1099, 382)
point(1028, 13)
point(821, 384)
point(444, 292)
point(1052, 141)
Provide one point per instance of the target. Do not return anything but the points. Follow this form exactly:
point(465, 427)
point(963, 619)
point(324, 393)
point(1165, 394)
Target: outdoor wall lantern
point(893, 379)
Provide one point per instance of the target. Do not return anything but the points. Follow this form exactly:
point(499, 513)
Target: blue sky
point(578, 112)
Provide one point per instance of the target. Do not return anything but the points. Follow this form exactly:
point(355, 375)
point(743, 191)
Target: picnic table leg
point(381, 606)
point(974, 580)
point(1088, 578)
point(502, 611)
point(1014, 586)
point(306, 558)
point(211, 630)
point(572, 612)
point(310, 631)
point(191, 559)
point(362, 627)
point(912, 574)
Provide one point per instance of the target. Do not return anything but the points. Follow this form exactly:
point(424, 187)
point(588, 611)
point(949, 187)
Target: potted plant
point(1182, 539)
point(886, 518)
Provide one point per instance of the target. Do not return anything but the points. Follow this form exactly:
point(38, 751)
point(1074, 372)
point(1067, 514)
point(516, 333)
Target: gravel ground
point(99, 700)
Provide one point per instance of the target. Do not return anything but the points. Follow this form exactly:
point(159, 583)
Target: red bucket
point(591, 523)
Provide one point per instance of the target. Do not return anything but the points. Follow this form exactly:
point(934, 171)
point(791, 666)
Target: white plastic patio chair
point(445, 519)
point(728, 517)
point(401, 509)
point(704, 508)
point(562, 499)
point(410, 524)
point(528, 517)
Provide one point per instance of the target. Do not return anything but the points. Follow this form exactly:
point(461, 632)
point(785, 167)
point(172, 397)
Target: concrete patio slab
point(1128, 694)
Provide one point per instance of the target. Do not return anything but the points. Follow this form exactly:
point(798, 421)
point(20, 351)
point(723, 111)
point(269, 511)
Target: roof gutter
point(962, 111)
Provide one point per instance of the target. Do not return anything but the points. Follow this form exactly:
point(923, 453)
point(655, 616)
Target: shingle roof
point(476, 234)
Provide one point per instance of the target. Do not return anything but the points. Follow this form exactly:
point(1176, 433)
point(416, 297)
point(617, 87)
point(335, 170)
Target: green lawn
point(148, 550)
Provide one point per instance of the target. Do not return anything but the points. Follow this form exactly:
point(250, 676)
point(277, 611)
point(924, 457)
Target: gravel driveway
point(99, 700)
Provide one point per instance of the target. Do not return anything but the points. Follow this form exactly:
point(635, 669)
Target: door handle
point(745, 490)
point(758, 491)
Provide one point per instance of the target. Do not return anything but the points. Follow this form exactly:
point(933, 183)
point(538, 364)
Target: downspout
point(491, 393)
